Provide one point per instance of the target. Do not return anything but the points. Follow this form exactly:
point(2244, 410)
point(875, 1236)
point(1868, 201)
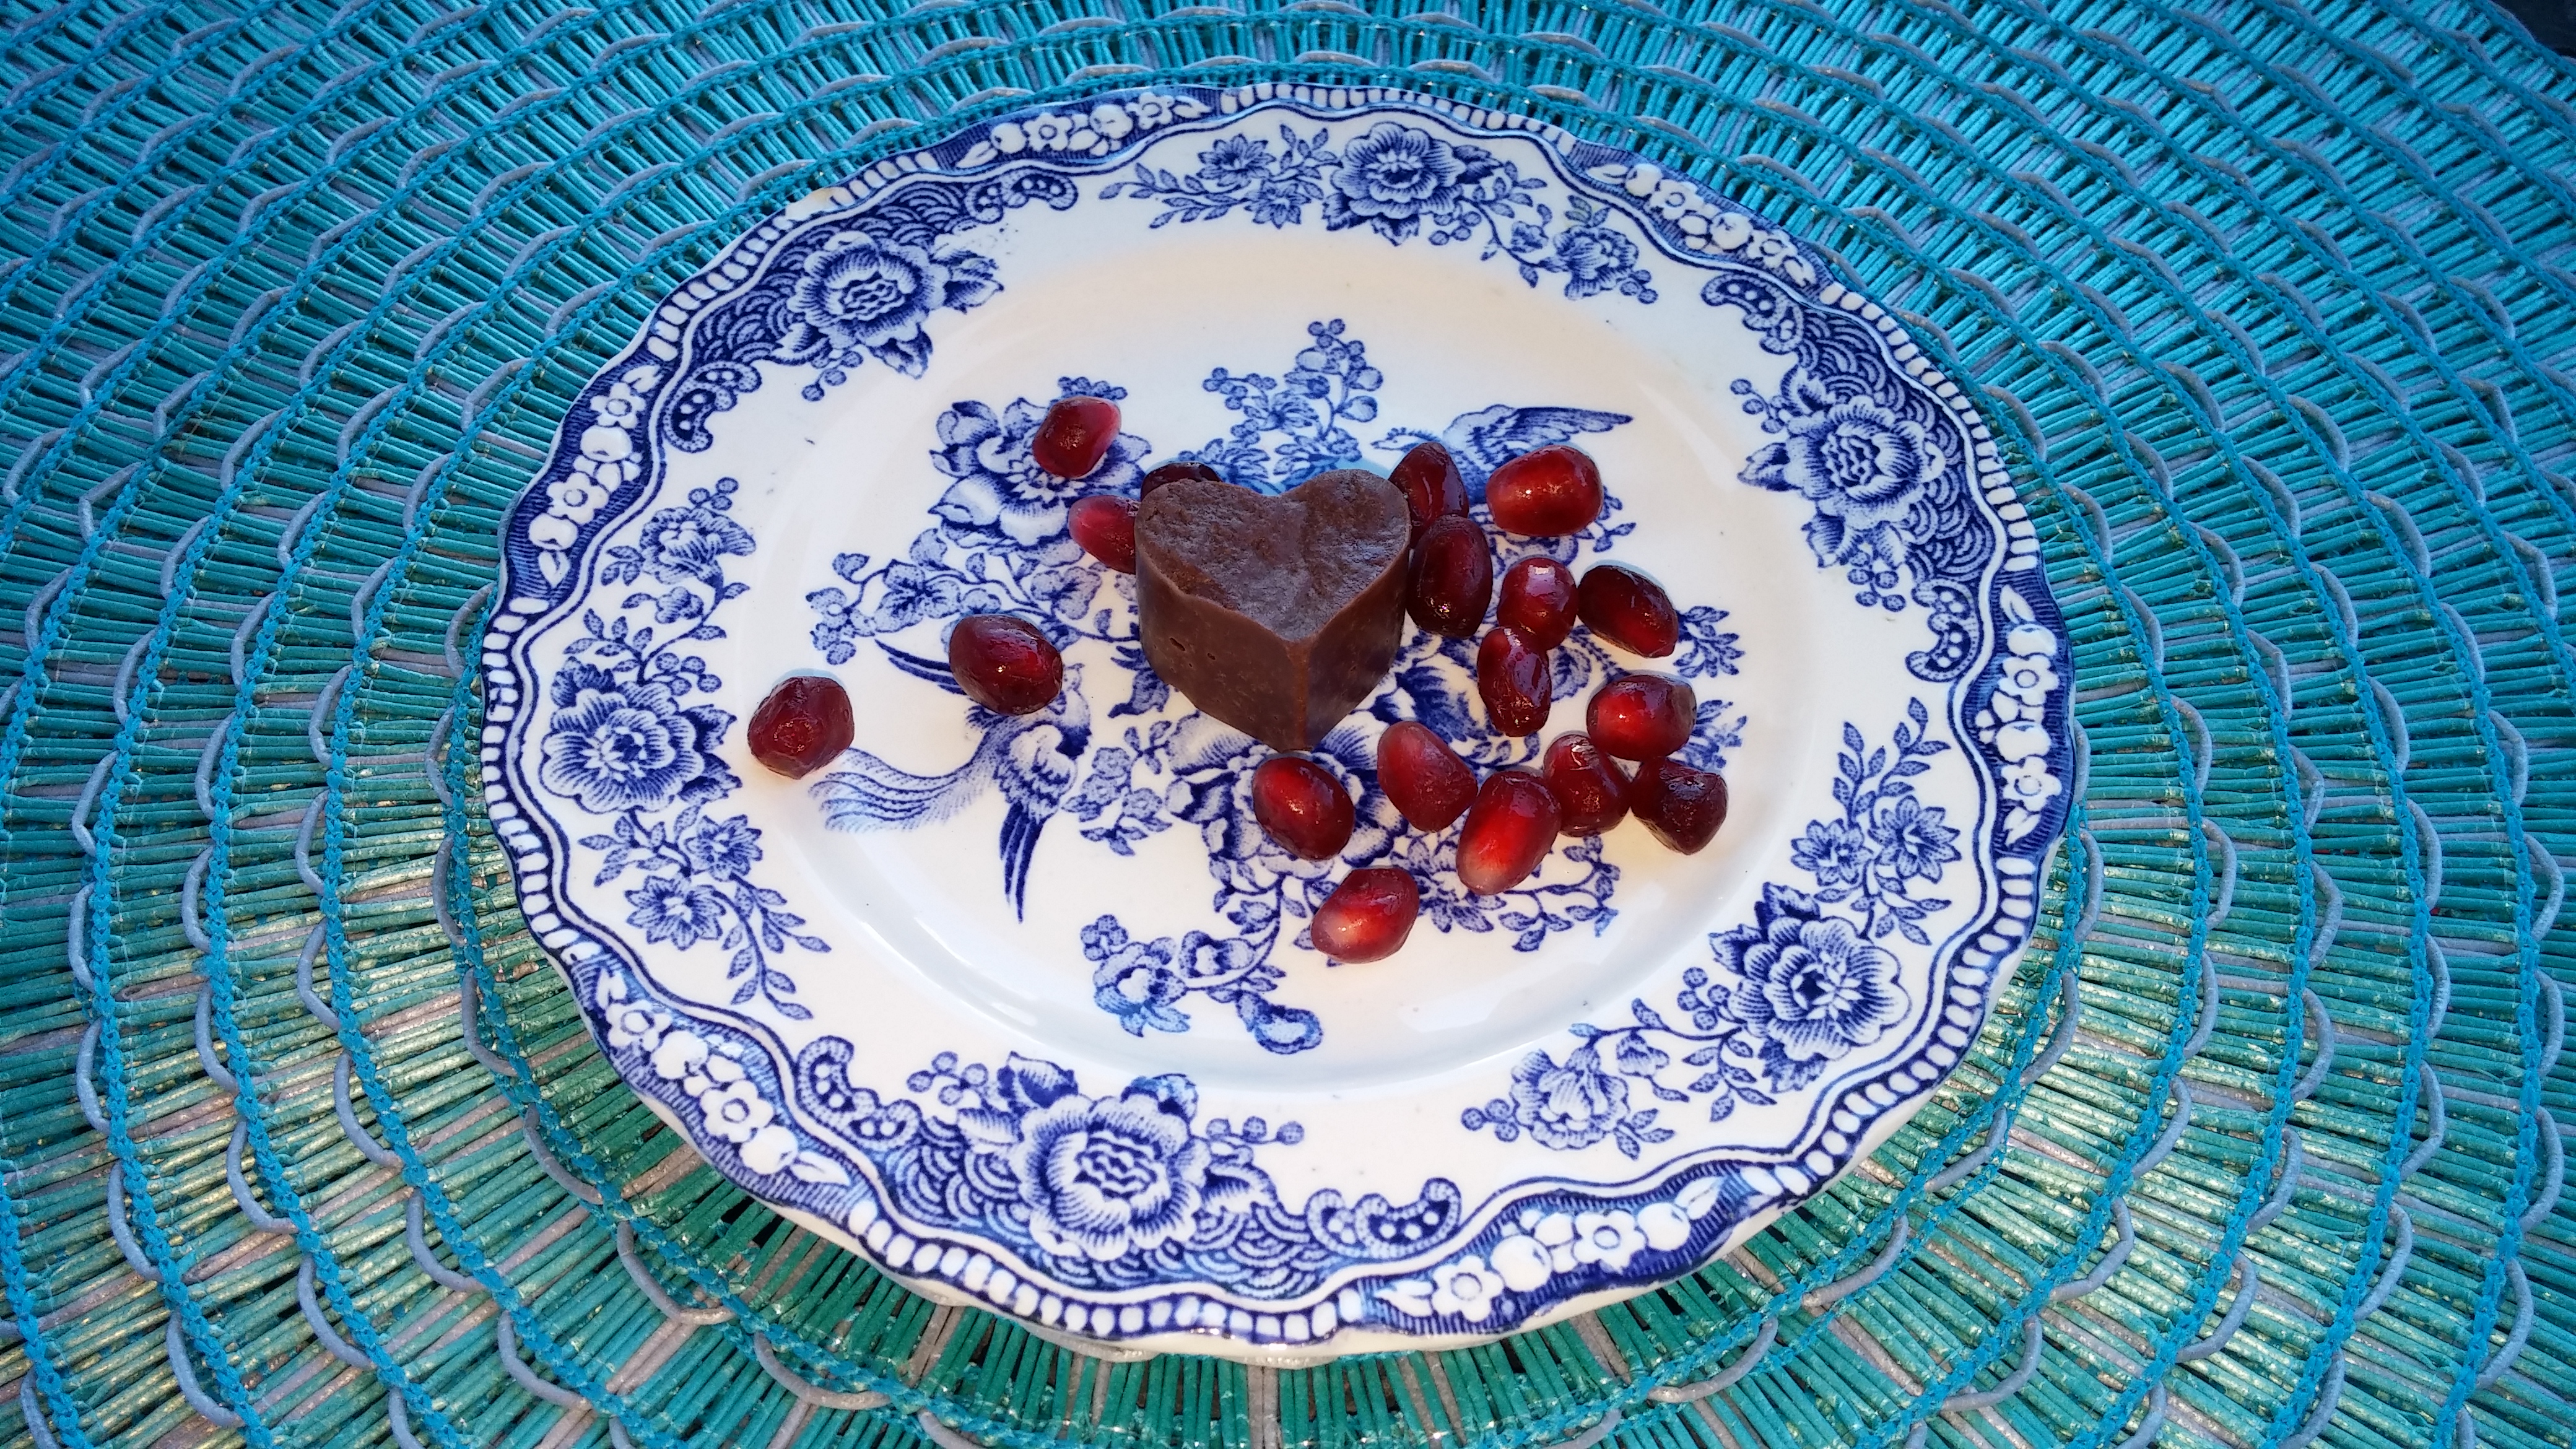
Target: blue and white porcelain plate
point(1023, 1009)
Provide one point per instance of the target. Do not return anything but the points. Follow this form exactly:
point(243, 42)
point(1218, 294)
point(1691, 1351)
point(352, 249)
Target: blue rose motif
point(1569, 1106)
point(690, 543)
point(1596, 259)
point(859, 295)
point(1135, 981)
point(724, 850)
point(1911, 838)
point(1102, 1179)
point(1393, 177)
point(633, 747)
point(670, 909)
point(1834, 851)
point(1000, 486)
point(1234, 163)
point(1863, 467)
point(1811, 989)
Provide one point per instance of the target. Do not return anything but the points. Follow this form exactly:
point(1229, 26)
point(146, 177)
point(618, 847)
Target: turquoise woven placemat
point(303, 1144)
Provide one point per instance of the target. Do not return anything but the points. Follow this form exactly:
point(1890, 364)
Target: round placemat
point(305, 1144)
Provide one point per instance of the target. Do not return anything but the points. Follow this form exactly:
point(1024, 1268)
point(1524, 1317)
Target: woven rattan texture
point(305, 1146)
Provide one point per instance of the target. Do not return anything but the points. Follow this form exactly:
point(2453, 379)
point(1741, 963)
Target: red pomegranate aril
point(1075, 436)
point(1509, 830)
point(1629, 609)
point(1428, 479)
point(1424, 778)
point(1105, 526)
point(1682, 804)
point(1553, 490)
point(1590, 788)
point(1368, 915)
point(1512, 677)
point(1538, 599)
point(1642, 716)
point(1301, 805)
point(1005, 664)
point(1174, 473)
point(802, 725)
point(1453, 577)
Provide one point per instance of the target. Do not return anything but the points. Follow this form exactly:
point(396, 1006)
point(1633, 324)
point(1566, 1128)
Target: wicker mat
point(305, 1145)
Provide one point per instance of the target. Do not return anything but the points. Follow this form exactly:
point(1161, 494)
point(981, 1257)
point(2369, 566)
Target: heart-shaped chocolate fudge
point(1279, 614)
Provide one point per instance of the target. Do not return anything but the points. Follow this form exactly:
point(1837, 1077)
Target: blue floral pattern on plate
point(1110, 1190)
point(625, 746)
point(1116, 1204)
point(1893, 500)
point(998, 544)
point(1400, 182)
point(833, 298)
point(1800, 987)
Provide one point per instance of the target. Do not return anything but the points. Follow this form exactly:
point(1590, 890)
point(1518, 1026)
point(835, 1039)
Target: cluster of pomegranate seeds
point(1581, 789)
point(1682, 804)
point(1513, 678)
point(1432, 488)
point(1422, 777)
point(803, 724)
point(1539, 600)
point(1368, 915)
point(1550, 490)
point(1302, 806)
point(1642, 716)
point(1509, 830)
point(1629, 609)
point(1589, 786)
point(1075, 436)
point(1515, 816)
point(1105, 525)
point(1453, 576)
point(1005, 664)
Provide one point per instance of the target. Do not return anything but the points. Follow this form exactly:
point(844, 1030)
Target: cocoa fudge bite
point(1276, 615)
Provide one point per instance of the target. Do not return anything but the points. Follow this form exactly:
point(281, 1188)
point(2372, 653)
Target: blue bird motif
point(1030, 758)
point(1484, 440)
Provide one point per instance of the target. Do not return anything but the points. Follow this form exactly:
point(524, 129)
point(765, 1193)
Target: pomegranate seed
point(1105, 526)
point(1642, 716)
point(1422, 776)
point(1075, 436)
point(1554, 490)
point(1368, 915)
point(1682, 804)
point(1538, 599)
point(1428, 478)
point(1174, 473)
point(1512, 676)
point(1630, 610)
point(1453, 577)
point(1302, 806)
point(1005, 664)
point(1589, 786)
point(1509, 830)
point(801, 726)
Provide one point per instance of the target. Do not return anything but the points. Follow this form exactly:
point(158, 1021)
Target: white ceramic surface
point(1019, 1007)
